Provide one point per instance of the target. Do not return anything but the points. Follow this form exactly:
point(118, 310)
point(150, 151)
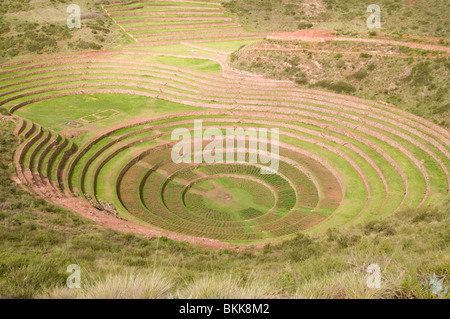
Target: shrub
point(339, 87)
point(13, 52)
point(377, 226)
point(301, 81)
point(4, 27)
point(420, 74)
point(359, 75)
point(340, 64)
point(371, 67)
point(304, 25)
point(233, 57)
point(26, 26)
point(345, 241)
point(81, 44)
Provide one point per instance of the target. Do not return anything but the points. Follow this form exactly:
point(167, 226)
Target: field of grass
point(56, 113)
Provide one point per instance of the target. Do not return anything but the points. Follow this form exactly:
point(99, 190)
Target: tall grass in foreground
point(221, 286)
point(156, 285)
point(128, 285)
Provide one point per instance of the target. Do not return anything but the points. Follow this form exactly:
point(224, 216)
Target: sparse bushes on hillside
point(415, 82)
point(347, 16)
point(31, 37)
point(9, 6)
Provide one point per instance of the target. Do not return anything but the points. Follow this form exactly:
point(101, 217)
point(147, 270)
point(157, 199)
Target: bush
point(359, 75)
point(26, 26)
point(60, 32)
point(365, 55)
point(13, 52)
point(4, 27)
point(339, 87)
point(301, 81)
point(301, 78)
point(81, 44)
point(377, 226)
point(304, 25)
point(340, 64)
point(420, 74)
point(371, 67)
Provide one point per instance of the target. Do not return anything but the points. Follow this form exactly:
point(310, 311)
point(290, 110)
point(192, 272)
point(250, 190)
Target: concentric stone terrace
point(152, 23)
point(342, 159)
point(220, 201)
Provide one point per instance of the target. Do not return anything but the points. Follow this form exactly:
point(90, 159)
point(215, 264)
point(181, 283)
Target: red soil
point(305, 35)
point(327, 35)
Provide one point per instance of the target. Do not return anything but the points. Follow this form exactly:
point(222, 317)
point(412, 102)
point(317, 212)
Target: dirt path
point(327, 35)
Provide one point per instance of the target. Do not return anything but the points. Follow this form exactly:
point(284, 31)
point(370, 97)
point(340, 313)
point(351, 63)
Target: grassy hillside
point(413, 79)
point(38, 241)
point(30, 28)
point(419, 17)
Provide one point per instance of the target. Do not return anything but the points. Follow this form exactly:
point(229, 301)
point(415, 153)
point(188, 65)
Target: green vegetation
point(412, 79)
point(398, 18)
point(72, 108)
point(339, 87)
point(229, 46)
point(44, 29)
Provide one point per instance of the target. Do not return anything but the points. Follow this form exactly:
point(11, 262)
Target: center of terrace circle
point(239, 198)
